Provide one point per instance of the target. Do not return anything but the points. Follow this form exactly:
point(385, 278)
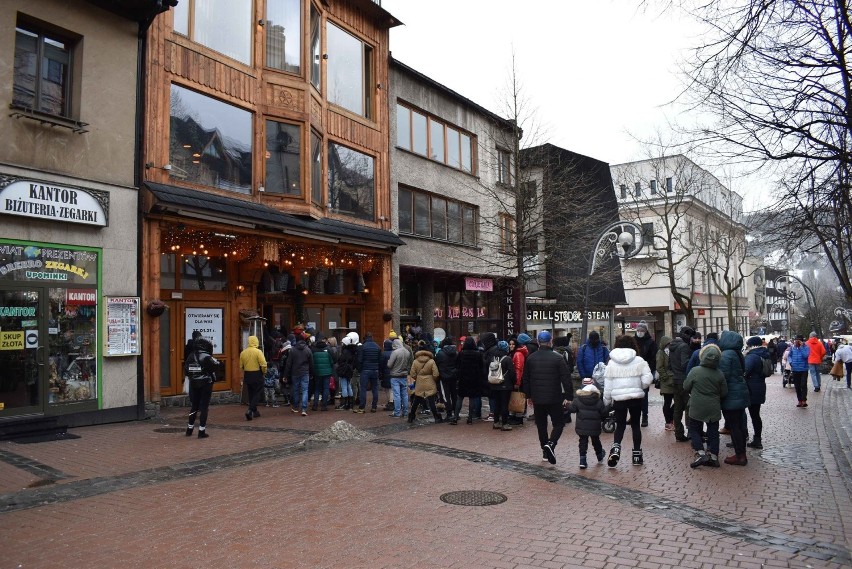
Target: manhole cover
point(169, 430)
point(473, 498)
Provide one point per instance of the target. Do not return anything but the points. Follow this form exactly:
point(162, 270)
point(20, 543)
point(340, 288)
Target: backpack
point(495, 373)
point(768, 368)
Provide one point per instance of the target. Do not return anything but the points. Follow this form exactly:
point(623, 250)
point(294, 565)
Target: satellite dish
point(439, 334)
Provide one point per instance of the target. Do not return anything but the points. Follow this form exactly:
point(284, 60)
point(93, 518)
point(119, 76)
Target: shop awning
point(206, 206)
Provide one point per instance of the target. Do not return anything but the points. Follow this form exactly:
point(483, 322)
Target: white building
point(693, 265)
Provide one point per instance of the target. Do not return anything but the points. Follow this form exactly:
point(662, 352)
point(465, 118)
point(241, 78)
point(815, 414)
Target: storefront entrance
point(49, 329)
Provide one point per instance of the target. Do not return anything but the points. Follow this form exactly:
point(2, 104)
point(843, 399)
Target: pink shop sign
point(484, 285)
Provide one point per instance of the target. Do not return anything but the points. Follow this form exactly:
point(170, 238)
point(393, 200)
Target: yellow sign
point(12, 340)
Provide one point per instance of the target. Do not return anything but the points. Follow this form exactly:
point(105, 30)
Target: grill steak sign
point(48, 201)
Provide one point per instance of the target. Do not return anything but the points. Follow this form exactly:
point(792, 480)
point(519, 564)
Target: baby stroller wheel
point(608, 424)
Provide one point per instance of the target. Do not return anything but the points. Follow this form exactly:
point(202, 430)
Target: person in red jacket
point(815, 359)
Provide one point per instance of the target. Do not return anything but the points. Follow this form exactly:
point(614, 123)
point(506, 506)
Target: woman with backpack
point(502, 382)
point(758, 361)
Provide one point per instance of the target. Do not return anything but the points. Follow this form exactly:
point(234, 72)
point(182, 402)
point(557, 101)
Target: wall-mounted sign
point(122, 326)
point(12, 340)
point(20, 262)
point(208, 321)
point(42, 200)
point(81, 296)
point(483, 285)
point(560, 315)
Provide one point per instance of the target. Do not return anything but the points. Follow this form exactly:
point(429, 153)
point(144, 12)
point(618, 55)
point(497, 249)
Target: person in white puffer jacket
point(625, 381)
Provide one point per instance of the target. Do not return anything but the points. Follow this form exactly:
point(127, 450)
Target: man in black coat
point(648, 352)
point(547, 382)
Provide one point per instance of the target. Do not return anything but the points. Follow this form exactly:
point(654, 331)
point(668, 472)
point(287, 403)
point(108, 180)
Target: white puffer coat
point(627, 376)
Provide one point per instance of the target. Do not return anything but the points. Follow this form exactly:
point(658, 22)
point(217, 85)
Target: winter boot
point(737, 460)
point(583, 464)
point(701, 458)
point(755, 443)
point(714, 460)
point(614, 455)
point(637, 457)
point(496, 424)
point(600, 454)
point(202, 434)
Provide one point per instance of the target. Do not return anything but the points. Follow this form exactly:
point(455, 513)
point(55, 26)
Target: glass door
point(21, 352)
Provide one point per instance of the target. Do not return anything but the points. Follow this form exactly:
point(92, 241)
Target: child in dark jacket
point(590, 410)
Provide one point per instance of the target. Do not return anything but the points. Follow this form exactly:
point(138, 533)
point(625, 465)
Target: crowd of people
point(544, 379)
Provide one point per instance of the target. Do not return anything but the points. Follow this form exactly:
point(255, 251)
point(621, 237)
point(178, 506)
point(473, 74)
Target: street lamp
point(622, 239)
point(782, 285)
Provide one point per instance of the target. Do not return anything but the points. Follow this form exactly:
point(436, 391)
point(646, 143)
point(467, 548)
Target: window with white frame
point(504, 167)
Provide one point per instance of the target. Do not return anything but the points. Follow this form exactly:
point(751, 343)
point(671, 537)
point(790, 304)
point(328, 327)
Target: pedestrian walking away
point(253, 365)
point(626, 379)
point(471, 378)
point(200, 368)
point(547, 382)
point(706, 386)
point(646, 348)
point(590, 409)
point(816, 353)
point(758, 361)
point(732, 365)
point(680, 351)
point(424, 376)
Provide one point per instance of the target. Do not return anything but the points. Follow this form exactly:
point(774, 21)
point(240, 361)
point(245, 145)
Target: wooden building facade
point(266, 179)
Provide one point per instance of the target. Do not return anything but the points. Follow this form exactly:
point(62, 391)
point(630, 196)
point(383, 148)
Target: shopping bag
point(837, 370)
point(185, 385)
point(517, 402)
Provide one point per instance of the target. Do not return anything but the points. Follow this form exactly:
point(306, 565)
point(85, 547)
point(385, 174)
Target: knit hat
point(754, 341)
point(591, 387)
point(587, 381)
point(642, 326)
point(524, 339)
point(503, 345)
point(392, 335)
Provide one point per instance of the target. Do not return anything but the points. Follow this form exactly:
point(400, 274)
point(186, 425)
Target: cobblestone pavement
point(265, 494)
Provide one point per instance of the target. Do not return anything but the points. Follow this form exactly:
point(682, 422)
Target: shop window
point(315, 48)
point(351, 183)
point(210, 142)
point(283, 158)
point(350, 71)
point(72, 373)
point(203, 273)
point(283, 29)
point(222, 25)
point(192, 272)
point(43, 68)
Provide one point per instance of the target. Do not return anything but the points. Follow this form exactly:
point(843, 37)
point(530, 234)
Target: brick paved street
point(143, 495)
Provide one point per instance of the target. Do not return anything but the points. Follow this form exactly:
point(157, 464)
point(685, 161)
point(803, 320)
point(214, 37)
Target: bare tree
point(776, 77)
point(546, 197)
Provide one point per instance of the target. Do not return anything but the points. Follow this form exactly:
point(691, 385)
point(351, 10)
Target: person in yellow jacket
point(253, 364)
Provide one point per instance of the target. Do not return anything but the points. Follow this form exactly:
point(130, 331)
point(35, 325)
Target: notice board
point(123, 320)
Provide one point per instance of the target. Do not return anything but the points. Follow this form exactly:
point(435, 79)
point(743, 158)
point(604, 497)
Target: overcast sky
point(600, 73)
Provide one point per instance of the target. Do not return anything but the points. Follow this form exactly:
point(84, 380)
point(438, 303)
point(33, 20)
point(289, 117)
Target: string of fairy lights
point(281, 253)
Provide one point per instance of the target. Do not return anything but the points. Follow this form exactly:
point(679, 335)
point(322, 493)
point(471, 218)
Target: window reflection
point(283, 158)
point(210, 142)
point(224, 25)
point(283, 35)
point(349, 71)
point(316, 168)
point(203, 273)
point(351, 183)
